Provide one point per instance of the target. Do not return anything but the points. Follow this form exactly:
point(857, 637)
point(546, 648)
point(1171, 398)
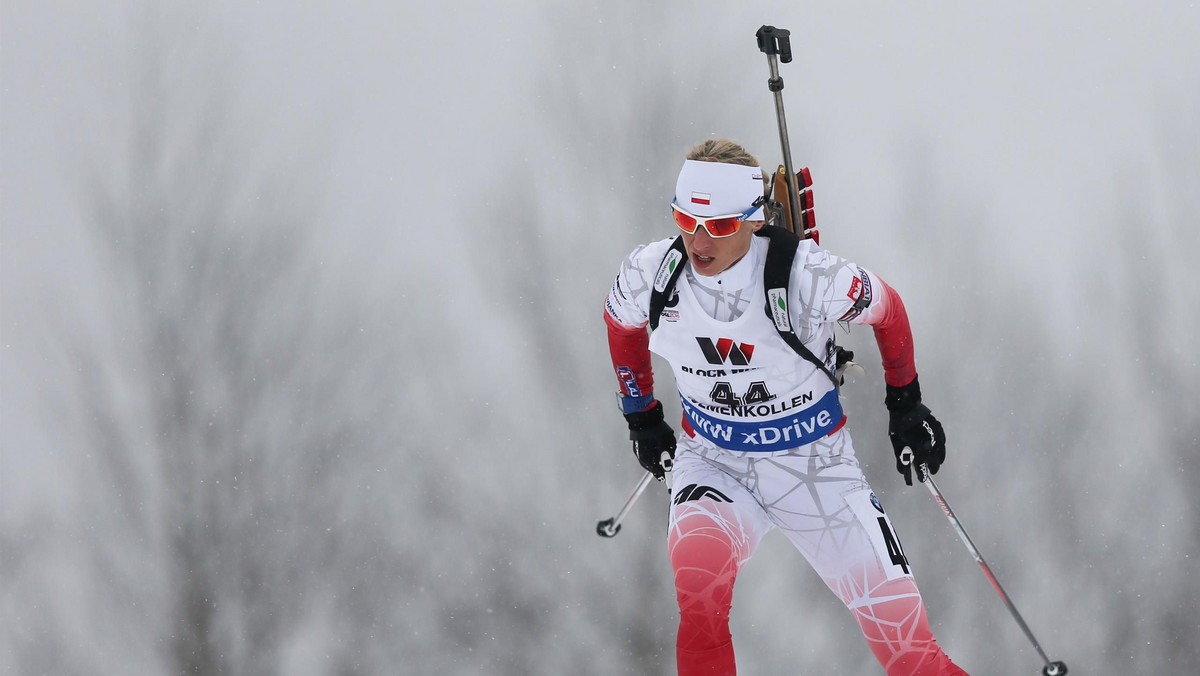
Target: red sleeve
point(894, 336)
point(630, 350)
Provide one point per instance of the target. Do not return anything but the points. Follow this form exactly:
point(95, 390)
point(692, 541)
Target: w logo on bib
point(726, 351)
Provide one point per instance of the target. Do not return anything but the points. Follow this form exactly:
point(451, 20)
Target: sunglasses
point(716, 226)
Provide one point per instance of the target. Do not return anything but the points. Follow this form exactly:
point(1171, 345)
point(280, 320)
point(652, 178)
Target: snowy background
point(304, 371)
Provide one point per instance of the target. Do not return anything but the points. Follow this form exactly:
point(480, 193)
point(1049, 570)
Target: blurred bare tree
point(605, 177)
point(1150, 326)
point(242, 424)
point(1066, 429)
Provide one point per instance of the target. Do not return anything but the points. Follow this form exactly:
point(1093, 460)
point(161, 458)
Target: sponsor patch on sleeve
point(629, 381)
point(613, 301)
point(608, 307)
point(860, 293)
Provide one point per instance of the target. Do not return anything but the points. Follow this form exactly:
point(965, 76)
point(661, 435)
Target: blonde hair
point(722, 150)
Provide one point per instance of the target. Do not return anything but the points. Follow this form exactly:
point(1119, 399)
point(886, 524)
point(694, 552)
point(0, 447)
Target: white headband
point(717, 189)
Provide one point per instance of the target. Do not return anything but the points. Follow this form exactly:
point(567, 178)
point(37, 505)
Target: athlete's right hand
point(651, 437)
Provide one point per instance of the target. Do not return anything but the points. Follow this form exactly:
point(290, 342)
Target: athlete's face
point(711, 256)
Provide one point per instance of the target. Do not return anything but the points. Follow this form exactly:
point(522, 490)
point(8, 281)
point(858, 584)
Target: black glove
point(651, 436)
point(843, 357)
point(912, 426)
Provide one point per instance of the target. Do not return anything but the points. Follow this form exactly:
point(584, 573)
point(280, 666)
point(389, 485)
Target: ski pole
point(776, 43)
point(611, 526)
point(1052, 668)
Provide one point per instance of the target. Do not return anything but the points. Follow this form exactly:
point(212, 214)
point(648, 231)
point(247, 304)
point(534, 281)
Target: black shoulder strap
point(664, 281)
point(781, 254)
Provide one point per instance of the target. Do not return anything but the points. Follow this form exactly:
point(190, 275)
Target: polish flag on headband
point(717, 189)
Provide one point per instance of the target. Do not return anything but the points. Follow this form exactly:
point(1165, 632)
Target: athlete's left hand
point(912, 426)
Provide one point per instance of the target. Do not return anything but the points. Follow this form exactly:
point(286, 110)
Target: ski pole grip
point(772, 40)
point(907, 456)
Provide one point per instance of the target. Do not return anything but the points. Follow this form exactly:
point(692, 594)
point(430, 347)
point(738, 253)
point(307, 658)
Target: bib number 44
point(722, 393)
